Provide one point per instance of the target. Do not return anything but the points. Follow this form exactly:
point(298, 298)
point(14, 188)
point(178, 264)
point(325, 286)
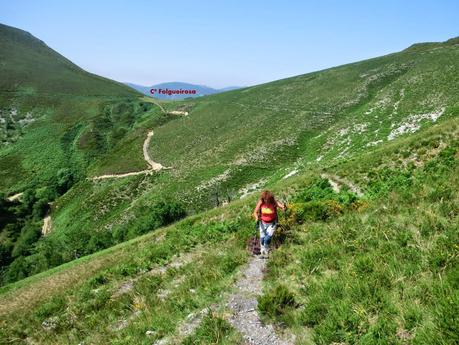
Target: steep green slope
point(55, 119)
point(29, 66)
point(241, 140)
point(380, 268)
point(243, 135)
point(228, 145)
point(42, 95)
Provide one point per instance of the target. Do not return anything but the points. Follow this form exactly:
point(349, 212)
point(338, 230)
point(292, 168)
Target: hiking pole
point(255, 240)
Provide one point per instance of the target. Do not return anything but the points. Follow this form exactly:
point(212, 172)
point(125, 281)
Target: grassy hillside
point(229, 145)
point(43, 97)
point(244, 136)
point(55, 119)
point(380, 268)
point(246, 139)
point(28, 66)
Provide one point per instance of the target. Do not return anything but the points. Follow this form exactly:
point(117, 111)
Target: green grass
point(375, 273)
point(76, 312)
point(385, 274)
point(377, 269)
point(227, 142)
point(38, 69)
point(214, 330)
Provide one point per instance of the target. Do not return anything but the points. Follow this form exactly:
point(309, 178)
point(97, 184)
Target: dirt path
point(336, 182)
point(47, 225)
point(14, 197)
point(142, 172)
point(154, 166)
point(243, 305)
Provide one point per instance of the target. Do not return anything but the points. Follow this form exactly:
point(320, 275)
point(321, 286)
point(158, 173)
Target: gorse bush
point(318, 202)
point(316, 211)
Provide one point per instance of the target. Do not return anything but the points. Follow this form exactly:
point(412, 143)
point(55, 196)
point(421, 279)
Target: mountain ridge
point(28, 62)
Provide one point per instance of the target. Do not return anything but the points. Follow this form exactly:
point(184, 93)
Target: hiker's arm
point(257, 209)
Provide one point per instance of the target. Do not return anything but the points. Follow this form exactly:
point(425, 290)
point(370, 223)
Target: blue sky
point(223, 43)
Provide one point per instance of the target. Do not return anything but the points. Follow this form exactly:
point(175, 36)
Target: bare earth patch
point(47, 225)
point(336, 182)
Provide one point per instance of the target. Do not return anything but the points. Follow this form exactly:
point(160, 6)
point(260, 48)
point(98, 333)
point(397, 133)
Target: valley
point(125, 219)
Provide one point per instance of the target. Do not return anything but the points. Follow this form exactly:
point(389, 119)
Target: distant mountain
point(229, 88)
point(200, 90)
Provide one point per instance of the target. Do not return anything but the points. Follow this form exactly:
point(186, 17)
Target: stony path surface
point(243, 305)
point(243, 316)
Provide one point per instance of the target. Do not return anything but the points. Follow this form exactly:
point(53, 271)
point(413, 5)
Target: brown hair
point(267, 198)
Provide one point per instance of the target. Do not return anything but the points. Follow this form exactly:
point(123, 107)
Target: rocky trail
point(238, 306)
point(243, 305)
point(240, 309)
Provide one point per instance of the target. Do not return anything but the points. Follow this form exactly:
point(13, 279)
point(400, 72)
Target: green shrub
point(65, 180)
point(40, 208)
point(96, 281)
point(30, 233)
point(317, 210)
point(160, 214)
point(320, 189)
point(99, 241)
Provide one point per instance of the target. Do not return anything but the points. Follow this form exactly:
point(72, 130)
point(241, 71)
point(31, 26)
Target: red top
point(268, 213)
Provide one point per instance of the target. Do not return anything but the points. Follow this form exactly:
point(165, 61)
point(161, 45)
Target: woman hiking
point(265, 214)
